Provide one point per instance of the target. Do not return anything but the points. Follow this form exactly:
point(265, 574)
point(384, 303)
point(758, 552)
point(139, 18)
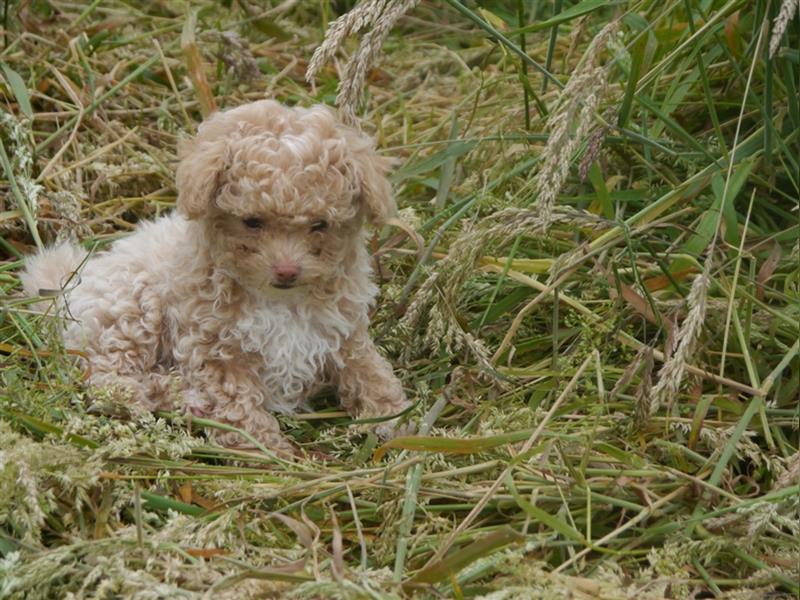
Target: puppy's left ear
point(376, 191)
point(202, 160)
point(198, 175)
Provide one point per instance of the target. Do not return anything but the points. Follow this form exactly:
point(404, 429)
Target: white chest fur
point(295, 343)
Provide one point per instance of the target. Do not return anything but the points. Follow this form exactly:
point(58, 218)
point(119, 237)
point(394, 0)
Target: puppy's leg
point(150, 391)
point(367, 386)
point(124, 356)
point(230, 392)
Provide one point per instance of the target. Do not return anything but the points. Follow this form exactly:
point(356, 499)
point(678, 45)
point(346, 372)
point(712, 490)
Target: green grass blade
point(20, 90)
point(453, 563)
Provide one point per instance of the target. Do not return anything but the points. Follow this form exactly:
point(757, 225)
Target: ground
point(591, 294)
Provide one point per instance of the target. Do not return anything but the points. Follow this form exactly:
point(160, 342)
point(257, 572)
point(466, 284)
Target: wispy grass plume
point(785, 15)
point(438, 296)
point(378, 17)
point(573, 121)
point(671, 374)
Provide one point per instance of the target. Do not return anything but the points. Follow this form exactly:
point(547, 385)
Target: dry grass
point(601, 330)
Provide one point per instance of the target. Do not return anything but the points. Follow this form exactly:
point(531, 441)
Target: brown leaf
point(672, 340)
point(301, 530)
point(696, 391)
point(640, 304)
point(662, 281)
point(731, 32)
point(203, 502)
point(111, 25)
point(767, 269)
point(185, 492)
point(206, 552)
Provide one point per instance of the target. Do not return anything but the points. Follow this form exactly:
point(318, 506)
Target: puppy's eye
point(319, 226)
point(253, 223)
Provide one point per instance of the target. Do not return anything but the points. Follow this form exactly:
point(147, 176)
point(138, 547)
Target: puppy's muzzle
point(285, 275)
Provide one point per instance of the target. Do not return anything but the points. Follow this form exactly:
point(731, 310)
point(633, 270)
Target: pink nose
point(285, 273)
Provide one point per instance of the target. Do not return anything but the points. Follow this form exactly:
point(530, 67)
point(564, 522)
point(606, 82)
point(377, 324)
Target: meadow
point(591, 293)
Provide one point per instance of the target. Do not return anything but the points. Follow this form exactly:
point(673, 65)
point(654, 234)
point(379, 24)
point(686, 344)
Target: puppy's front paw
point(369, 389)
point(394, 428)
point(386, 430)
point(278, 444)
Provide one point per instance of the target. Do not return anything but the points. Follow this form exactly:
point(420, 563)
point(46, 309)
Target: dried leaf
point(659, 282)
point(640, 304)
point(767, 269)
point(301, 530)
point(206, 552)
point(185, 492)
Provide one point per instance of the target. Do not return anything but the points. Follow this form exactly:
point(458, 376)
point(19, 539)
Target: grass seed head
point(378, 17)
point(573, 121)
point(781, 23)
point(670, 376)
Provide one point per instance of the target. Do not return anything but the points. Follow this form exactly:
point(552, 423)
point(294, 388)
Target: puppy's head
point(283, 193)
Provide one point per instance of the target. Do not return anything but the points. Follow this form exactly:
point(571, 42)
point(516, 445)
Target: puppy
point(255, 292)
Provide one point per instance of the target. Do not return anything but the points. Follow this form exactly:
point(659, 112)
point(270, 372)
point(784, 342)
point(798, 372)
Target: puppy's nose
point(285, 274)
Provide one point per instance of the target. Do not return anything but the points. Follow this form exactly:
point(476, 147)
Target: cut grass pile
point(599, 325)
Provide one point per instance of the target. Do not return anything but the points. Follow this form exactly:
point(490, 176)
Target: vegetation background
point(597, 317)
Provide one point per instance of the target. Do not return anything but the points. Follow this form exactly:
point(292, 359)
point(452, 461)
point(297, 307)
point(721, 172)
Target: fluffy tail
point(51, 269)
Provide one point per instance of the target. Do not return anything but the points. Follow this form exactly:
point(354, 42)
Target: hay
point(556, 455)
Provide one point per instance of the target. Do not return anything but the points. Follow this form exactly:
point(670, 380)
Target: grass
point(599, 328)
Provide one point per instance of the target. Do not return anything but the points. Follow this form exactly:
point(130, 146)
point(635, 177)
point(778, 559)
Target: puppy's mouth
point(284, 286)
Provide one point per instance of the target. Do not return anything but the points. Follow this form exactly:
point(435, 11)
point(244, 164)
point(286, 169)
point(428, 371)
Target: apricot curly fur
point(255, 292)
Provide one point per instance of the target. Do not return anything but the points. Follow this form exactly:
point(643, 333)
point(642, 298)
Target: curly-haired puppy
point(256, 291)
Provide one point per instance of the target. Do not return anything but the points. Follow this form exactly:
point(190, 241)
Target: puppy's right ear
point(199, 173)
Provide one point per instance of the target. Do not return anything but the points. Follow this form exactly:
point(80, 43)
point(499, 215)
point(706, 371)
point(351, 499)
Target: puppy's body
point(256, 293)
